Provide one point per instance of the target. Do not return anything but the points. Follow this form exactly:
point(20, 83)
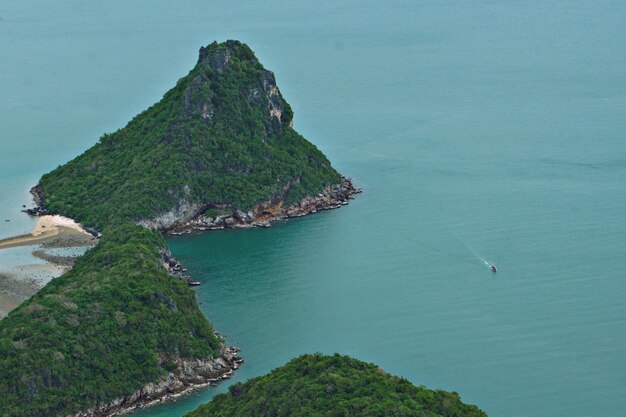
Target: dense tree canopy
point(221, 136)
point(100, 331)
point(333, 386)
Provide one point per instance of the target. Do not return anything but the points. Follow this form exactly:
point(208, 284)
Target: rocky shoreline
point(264, 214)
point(190, 375)
point(175, 269)
point(188, 217)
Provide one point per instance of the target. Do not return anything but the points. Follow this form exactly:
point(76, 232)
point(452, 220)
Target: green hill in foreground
point(221, 138)
point(317, 385)
point(101, 331)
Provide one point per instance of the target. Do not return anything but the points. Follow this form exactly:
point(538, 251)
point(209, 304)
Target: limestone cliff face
point(182, 211)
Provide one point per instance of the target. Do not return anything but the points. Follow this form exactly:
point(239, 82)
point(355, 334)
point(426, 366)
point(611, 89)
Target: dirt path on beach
point(25, 240)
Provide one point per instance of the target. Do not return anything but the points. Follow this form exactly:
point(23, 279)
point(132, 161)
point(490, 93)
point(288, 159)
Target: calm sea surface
point(477, 129)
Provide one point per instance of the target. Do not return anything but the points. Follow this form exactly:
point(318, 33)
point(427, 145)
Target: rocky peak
point(214, 61)
point(218, 56)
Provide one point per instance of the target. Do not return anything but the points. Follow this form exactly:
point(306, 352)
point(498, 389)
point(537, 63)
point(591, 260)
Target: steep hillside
point(316, 385)
point(94, 337)
point(221, 138)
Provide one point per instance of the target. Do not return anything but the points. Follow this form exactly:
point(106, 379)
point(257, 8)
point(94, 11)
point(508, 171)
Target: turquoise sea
point(491, 129)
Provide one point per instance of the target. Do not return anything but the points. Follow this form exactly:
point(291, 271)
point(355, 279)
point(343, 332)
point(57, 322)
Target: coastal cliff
point(223, 217)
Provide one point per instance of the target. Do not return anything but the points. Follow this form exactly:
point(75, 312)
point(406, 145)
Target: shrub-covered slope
point(221, 136)
point(113, 323)
point(316, 385)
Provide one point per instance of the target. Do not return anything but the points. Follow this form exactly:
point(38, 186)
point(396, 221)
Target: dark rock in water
point(39, 209)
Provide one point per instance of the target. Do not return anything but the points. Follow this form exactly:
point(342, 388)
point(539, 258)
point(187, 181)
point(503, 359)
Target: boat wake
point(477, 260)
point(487, 264)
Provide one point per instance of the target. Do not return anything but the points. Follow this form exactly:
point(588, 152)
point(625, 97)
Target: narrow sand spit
point(46, 229)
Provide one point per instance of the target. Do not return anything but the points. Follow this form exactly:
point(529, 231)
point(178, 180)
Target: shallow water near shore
point(21, 275)
point(493, 131)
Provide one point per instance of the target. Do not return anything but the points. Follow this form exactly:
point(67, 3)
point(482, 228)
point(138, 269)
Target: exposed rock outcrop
point(182, 211)
point(38, 198)
point(189, 375)
point(198, 96)
point(264, 213)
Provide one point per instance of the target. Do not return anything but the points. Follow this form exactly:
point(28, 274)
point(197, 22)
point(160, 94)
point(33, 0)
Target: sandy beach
point(50, 233)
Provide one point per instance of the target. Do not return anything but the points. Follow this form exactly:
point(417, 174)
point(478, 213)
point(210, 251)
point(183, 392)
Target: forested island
point(317, 385)
point(220, 143)
point(121, 329)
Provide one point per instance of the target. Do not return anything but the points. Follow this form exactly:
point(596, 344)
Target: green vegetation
point(337, 386)
point(101, 331)
point(220, 140)
point(221, 136)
